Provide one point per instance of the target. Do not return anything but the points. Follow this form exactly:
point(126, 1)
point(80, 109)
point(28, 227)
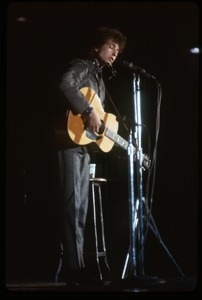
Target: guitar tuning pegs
point(146, 162)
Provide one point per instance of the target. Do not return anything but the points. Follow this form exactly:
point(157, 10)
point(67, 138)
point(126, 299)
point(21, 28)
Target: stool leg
point(102, 227)
point(95, 229)
point(60, 264)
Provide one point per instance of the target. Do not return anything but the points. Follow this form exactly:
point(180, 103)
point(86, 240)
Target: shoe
point(79, 277)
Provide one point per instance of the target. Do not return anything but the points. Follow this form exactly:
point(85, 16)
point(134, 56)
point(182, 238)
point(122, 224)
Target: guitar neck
point(116, 138)
point(124, 144)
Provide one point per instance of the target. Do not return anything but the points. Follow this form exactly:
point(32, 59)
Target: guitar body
point(81, 135)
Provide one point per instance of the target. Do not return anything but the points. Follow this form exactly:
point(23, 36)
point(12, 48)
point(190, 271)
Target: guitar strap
point(97, 73)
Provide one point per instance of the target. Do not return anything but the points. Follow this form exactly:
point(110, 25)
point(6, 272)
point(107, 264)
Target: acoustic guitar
point(107, 136)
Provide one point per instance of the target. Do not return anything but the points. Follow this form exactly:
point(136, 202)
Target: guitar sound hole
point(102, 128)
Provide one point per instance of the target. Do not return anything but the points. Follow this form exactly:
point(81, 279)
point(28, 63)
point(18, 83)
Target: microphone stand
point(136, 232)
point(136, 200)
point(132, 212)
point(138, 137)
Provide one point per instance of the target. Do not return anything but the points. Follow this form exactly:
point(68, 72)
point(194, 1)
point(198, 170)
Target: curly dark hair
point(102, 34)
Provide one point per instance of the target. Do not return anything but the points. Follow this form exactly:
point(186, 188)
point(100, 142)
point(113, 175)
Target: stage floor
point(145, 285)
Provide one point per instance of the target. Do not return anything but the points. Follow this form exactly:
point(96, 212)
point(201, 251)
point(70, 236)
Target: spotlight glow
point(194, 50)
point(21, 19)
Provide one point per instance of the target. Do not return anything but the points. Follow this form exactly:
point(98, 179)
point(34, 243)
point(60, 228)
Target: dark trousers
point(74, 167)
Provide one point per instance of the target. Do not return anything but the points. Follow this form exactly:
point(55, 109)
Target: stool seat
point(98, 179)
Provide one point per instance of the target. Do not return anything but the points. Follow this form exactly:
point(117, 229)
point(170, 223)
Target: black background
point(159, 36)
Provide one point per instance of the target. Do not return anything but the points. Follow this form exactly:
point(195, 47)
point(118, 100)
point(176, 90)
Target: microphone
point(132, 67)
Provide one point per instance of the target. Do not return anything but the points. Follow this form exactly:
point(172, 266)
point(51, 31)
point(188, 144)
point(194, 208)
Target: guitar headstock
point(146, 162)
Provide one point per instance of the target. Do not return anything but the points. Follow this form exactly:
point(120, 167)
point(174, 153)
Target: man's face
point(108, 52)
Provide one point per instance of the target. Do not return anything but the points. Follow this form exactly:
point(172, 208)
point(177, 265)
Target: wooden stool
point(100, 246)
